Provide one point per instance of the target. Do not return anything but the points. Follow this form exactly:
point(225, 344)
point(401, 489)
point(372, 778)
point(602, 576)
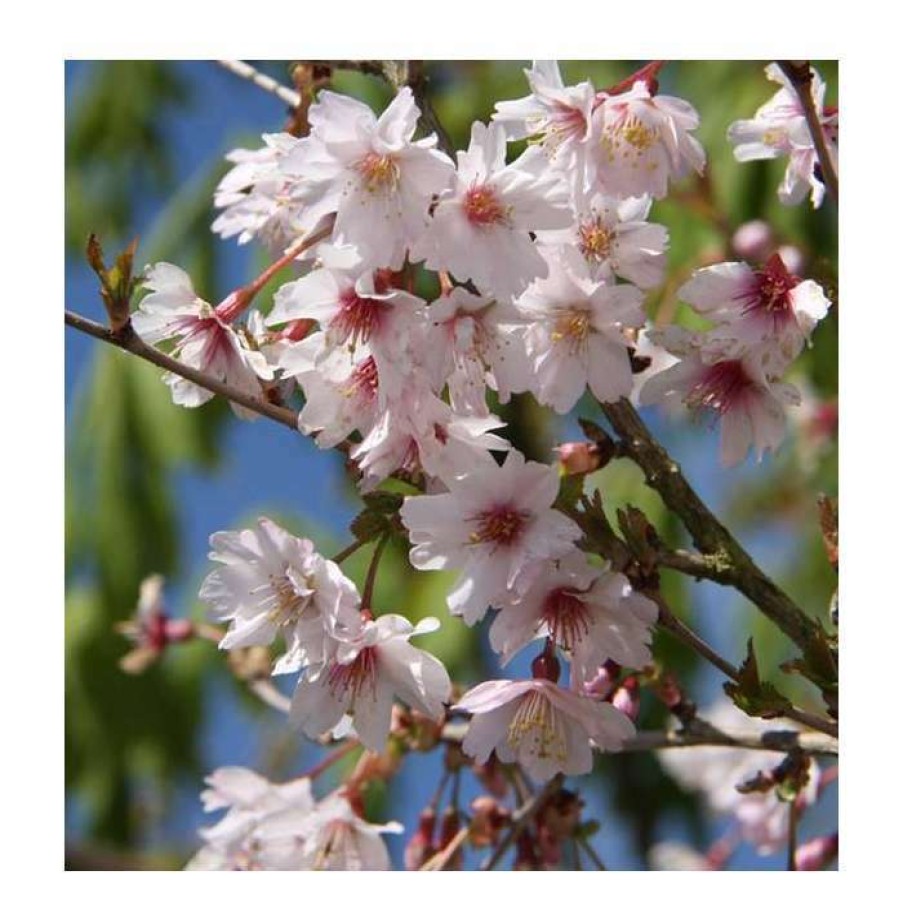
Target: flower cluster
point(282, 827)
point(271, 584)
point(761, 320)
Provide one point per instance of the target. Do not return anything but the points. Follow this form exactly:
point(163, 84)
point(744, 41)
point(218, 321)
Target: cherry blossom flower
point(205, 340)
point(540, 725)
point(329, 837)
point(235, 842)
point(770, 310)
point(481, 226)
point(258, 199)
point(779, 129)
point(363, 676)
point(645, 141)
point(615, 239)
point(369, 172)
point(492, 524)
point(555, 117)
point(151, 630)
point(763, 818)
point(750, 405)
point(575, 335)
point(273, 583)
point(591, 614)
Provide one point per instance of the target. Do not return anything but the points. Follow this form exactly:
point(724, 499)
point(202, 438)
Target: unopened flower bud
point(793, 259)
point(579, 457)
point(178, 630)
point(627, 698)
point(753, 240)
point(492, 776)
point(817, 853)
point(601, 685)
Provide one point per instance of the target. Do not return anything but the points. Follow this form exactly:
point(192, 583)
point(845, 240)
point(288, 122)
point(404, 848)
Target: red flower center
point(482, 207)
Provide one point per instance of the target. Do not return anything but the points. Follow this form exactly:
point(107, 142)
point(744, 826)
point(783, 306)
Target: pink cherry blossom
point(365, 674)
point(204, 338)
point(540, 725)
point(492, 524)
point(272, 583)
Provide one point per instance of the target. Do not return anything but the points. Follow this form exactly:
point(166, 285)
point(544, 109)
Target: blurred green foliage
point(126, 440)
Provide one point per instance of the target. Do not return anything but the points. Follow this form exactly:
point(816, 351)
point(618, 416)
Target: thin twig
point(521, 819)
point(791, 836)
point(370, 581)
point(588, 847)
point(349, 550)
point(418, 81)
point(128, 340)
point(265, 690)
point(335, 756)
point(800, 75)
point(255, 76)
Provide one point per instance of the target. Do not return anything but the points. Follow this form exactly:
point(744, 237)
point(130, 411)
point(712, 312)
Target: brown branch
point(128, 340)
point(710, 536)
point(418, 81)
point(799, 72)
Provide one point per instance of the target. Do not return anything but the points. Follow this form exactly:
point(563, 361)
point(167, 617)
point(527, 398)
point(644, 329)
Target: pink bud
point(579, 457)
point(793, 258)
point(626, 698)
point(601, 685)
point(178, 630)
point(753, 240)
point(815, 854)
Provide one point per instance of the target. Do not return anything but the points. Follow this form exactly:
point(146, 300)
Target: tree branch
point(248, 72)
point(128, 340)
point(710, 536)
point(800, 75)
point(418, 81)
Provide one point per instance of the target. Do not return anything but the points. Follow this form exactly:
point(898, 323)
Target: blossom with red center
point(370, 173)
point(749, 403)
point(543, 727)
point(367, 671)
point(204, 338)
point(768, 312)
point(493, 524)
point(481, 225)
point(590, 614)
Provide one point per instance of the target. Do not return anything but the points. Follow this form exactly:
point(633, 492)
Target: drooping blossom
point(779, 129)
point(203, 335)
point(750, 405)
point(645, 141)
point(481, 225)
point(235, 843)
point(768, 311)
point(545, 728)
point(591, 614)
point(331, 836)
point(575, 337)
point(555, 117)
point(271, 583)
point(364, 674)
point(492, 524)
point(762, 817)
point(370, 173)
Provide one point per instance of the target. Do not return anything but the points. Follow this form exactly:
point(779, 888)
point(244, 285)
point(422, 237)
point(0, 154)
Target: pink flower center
point(358, 318)
point(721, 386)
point(501, 525)
point(769, 290)
point(574, 327)
point(218, 351)
point(352, 677)
point(364, 381)
point(482, 207)
point(566, 616)
point(379, 173)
